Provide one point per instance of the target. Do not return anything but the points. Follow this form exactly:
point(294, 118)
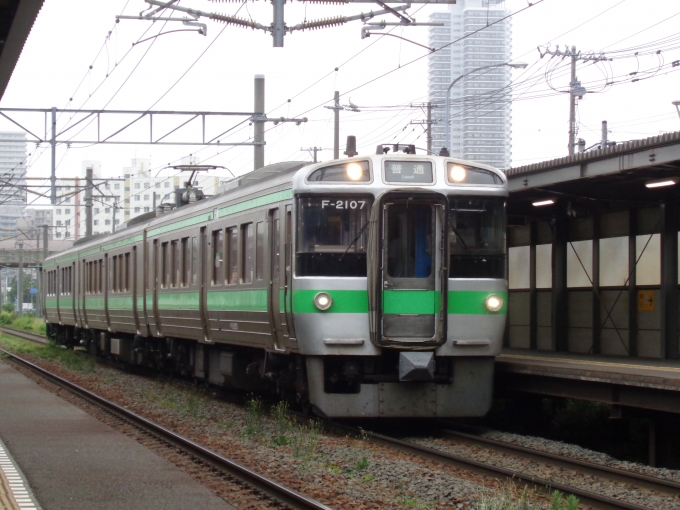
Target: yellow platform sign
point(645, 300)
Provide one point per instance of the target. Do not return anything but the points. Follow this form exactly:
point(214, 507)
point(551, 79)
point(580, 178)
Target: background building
point(12, 181)
point(481, 118)
point(116, 200)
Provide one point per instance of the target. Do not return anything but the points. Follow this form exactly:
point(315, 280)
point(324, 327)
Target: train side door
point(136, 283)
point(204, 257)
point(155, 285)
point(413, 301)
point(276, 295)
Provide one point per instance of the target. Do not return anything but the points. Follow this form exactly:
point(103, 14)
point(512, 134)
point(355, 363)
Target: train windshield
point(476, 237)
point(332, 235)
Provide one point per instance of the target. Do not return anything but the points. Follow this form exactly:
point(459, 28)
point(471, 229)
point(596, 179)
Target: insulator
point(231, 20)
point(326, 2)
point(323, 23)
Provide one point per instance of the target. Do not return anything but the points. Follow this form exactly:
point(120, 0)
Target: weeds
point(412, 502)
point(254, 416)
point(559, 503)
point(508, 498)
point(49, 352)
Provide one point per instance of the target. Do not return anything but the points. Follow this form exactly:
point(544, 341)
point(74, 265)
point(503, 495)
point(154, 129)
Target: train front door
point(413, 271)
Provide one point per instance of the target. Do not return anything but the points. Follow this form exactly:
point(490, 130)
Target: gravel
point(338, 471)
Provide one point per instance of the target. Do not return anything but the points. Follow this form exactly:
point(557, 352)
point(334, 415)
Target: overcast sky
point(379, 74)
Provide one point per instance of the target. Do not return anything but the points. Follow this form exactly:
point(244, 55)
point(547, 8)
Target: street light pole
point(447, 141)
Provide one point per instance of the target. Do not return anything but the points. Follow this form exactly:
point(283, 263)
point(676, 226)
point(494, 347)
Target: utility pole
point(575, 87)
point(337, 107)
point(427, 122)
point(53, 146)
point(312, 149)
point(336, 124)
point(258, 118)
point(20, 281)
point(88, 201)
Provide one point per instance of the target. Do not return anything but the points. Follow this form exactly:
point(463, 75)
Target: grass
point(49, 352)
point(26, 323)
point(510, 498)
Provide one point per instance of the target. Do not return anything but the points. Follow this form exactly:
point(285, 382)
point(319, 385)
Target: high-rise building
point(12, 181)
point(481, 117)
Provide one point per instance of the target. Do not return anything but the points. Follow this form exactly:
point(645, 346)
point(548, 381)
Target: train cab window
point(259, 250)
point(351, 171)
point(217, 257)
point(409, 241)
point(332, 235)
point(476, 237)
point(232, 255)
point(248, 252)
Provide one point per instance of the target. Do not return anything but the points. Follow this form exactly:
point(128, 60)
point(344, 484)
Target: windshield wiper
point(460, 239)
point(361, 231)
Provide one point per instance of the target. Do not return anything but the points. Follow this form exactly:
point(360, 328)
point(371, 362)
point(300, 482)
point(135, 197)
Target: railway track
point(20, 333)
point(605, 473)
point(588, 498)
point(202, 456)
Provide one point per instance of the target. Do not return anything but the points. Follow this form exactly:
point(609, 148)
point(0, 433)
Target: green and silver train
point(373, 286)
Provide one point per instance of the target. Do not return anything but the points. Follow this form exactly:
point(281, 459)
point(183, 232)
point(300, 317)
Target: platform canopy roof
point(614, 178)
point(16, 20)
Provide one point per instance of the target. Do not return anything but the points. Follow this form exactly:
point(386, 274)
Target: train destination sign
point(408, 171)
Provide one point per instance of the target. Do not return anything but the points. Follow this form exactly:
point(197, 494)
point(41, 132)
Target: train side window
point(186, 263)
point(194, 260)
point(100, 277)
point(164, 265)
point(232, 252)
point(175, 264)
point(217, 257)
point(127, 272)
point(114, 274)
point(247, 253)
point(259, 250)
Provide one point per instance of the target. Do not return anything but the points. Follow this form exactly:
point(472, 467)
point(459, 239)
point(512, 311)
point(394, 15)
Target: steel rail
point(25, 335)
point(618, 475)
point(263, 483)
point(595, 500)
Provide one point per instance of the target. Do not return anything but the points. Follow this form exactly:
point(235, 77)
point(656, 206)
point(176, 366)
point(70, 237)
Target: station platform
point(70, 460)
point(643, 383)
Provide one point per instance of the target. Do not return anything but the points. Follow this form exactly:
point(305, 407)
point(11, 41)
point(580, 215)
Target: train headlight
point(323, 301)
point(457, 173)
point(493, 303)
point(354, 171)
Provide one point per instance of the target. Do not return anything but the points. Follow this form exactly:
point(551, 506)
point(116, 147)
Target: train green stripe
point(252, 300)
point(460, 302)
point(411, 301)
point(118, 244)
point(180, 224)
point(256, 202)
point(344, 301)
point(471, 302)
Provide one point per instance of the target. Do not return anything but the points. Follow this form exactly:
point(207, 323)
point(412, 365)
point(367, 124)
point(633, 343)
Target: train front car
point(399, 290)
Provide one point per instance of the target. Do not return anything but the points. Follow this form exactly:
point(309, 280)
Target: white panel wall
point(576, 276)
point(614, 262)
point(544, 266)
point(518, 267)
point(648, 268)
